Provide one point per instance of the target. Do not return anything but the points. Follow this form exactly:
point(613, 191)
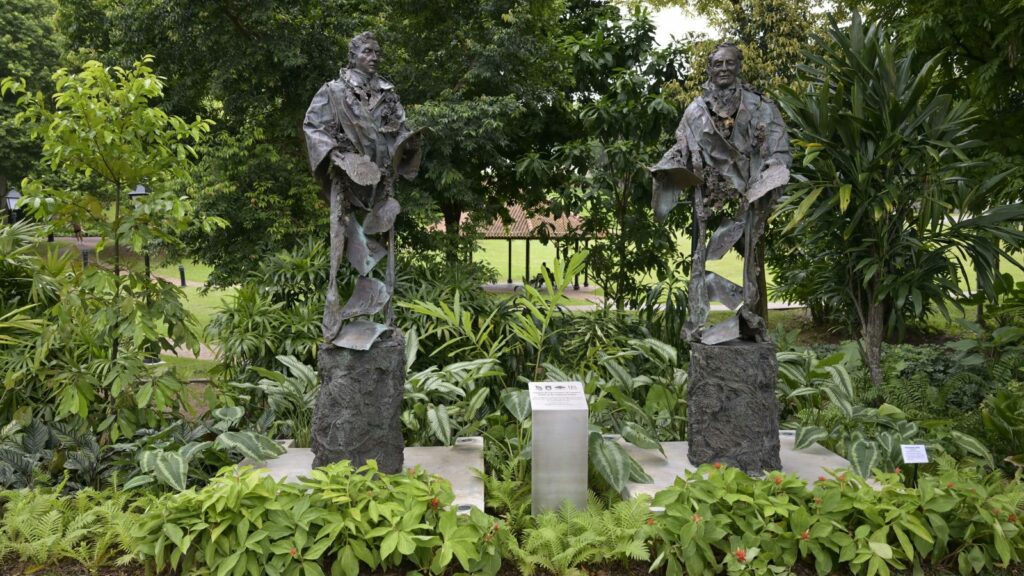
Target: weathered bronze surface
point(733, 152)
point(358, 145)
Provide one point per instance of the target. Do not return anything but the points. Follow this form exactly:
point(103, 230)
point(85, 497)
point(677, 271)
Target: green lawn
point(204, 306)
point(194, 272)
point(190, 368)
point(495, 252)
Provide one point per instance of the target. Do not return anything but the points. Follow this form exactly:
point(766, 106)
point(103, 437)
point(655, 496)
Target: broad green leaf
point(249, 444)
point(610, 461)
point(637, 435)
point(517, 402)
point(808, 435)
point(863, 455)
point(171, 469)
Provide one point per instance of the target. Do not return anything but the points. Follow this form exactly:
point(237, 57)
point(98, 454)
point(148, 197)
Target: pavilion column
point(586, 268)
point(576, 279)
point(510, 260)
point(527, 279)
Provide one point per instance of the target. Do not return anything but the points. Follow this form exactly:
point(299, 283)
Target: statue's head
point(724, 65)
point(364, 53)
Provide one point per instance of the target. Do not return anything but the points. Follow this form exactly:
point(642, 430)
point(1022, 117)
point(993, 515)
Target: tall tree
point(880, 212)
point(621, 112)
point(252, 67)
point(980, 50)
point(29, 49)
point(485, 77)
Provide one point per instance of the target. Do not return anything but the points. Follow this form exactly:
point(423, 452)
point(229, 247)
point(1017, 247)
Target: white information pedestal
point(559, 445)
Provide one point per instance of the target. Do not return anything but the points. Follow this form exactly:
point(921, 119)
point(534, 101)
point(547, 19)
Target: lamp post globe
point(11, 202)
point(138, 193)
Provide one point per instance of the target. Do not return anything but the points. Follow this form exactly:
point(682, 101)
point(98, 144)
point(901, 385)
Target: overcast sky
point(674, 22)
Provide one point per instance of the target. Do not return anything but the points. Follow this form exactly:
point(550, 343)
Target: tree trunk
point(872, 332)
point(452, 223)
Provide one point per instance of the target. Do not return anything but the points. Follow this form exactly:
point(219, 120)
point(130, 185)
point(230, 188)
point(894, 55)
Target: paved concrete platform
point(453, 463)
point(807, 464)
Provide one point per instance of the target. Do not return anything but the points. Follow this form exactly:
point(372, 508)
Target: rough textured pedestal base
point(733, 414)
point(358, 411)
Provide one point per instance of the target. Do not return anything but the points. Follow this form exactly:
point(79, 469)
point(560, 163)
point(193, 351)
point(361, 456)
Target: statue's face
point(367, 56)
point(724, 68)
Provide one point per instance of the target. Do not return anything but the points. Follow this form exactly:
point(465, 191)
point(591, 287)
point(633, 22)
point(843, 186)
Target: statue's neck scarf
point(723, 102)
point(363, 84)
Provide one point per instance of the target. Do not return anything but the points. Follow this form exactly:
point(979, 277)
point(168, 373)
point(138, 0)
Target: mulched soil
point(66, 568)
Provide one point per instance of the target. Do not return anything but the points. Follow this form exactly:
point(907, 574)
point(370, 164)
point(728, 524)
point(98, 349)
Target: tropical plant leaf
point(171, 469)
point(517, 402)
point(440, 424)
point(610, 461)
point(863, 455)
point(249, 444)
point(808, 435)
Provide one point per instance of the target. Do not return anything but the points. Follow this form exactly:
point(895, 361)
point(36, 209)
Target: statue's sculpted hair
point(357, 43)
point(723, 46)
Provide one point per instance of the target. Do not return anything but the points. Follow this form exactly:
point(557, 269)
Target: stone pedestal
point(359, 407)
point(733, 414)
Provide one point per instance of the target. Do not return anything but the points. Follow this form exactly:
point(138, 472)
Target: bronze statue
point(358, 144)
point(732, 149)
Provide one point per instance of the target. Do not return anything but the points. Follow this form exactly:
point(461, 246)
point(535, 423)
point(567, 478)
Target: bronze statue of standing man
point(358, 145)
point(732, 149)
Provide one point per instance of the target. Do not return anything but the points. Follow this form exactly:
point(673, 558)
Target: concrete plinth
point(453, 463)
point(807, 464)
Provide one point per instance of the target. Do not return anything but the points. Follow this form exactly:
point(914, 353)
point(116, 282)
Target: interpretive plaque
point(914, 453)
point(559, 445)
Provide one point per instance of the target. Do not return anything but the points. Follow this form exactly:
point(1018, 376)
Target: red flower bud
point(293, 552)
point(842, 477)
point(650, 521)
point(435, 503)
point(822, 479)
point(698, 518)
point(777, 480)
point(1012, 517)
point(818, 500)
point(717, 465)
point(806, 535)
point(949, 485)
point(996, 512)
point(741, 554)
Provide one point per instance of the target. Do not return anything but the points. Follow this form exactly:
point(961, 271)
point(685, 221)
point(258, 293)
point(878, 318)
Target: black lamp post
point(153, 354)
point(11, 201)
point(136, 195)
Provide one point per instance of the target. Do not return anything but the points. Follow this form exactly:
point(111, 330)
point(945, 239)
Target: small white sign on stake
point(914, 453)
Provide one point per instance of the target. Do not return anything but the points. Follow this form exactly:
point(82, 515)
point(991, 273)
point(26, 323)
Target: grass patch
point(190, 368)
point(206, 304)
